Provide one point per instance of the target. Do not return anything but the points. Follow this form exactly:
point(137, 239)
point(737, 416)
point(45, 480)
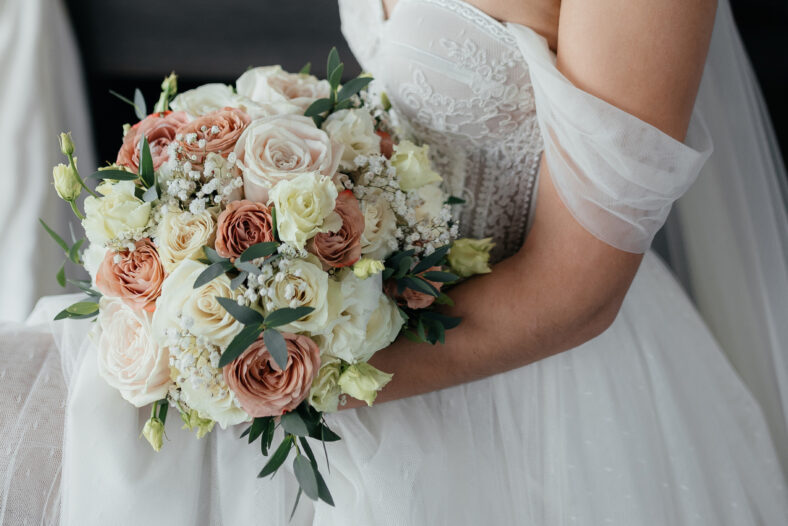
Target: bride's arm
point(565, 286)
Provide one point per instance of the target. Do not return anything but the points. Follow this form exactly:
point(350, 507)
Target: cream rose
point(413, 166)
point(380, 226)
point(212, 97)
point(382, 328)
point(181, 236)
point(92, 258)
point(118, 214)
point(355, 130)
point(432, 199)
point(202, 313)
point(324, 395)
point(285, 92)
point(128, 358)
point(305, 207)
point(304, 283)
point(280, 148)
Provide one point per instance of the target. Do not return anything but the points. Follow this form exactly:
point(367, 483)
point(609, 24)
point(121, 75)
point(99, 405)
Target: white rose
point(280, 148)
point(355, 130)
point(118, 214)
point(181, 236)
point(92, 258)
point(432, 203)
point(305, 283)
point(287, 92)
point(382, 328)
point(324, 395)
point(380, 225)
point(413, 166)
point(211, 97)
point(305, 207)
point(202, 314)
point(128, 357)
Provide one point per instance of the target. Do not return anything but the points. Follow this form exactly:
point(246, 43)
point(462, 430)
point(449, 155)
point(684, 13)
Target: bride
point(582, 387)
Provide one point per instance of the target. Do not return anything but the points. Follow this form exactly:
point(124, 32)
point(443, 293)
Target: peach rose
point(241, 225)
point(343, 247)
point(216, 132)
point(386, 144)
point(160, 130)
point(135, 278)
point(262, 388)
point(413, 298)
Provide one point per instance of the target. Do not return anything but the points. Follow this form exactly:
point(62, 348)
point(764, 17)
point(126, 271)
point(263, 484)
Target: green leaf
point(318, 107)
point(443, 299)
point(322, 432)
point(242, 313)
point(433, 260)
point(286, 315)
point(336, 77)
point(151, 194)
point(403, 267)
point(275, 343)
point(308, 451)
point(213, 271)
point(164, 407)
point(211, 254)
point(84, 286)
point(259, 250)
point(114, 175)
point(420, 330)
point(305, 474)
point(61, 275)
point(455, 200)
point(345, 104)
point(140, 109)
point(246, 266)
point(421, 285)
point(387, 273)
point(440, 276)
point(147, 176)
point(448, 322)
point(278, 458)
point(185, 419)
point(353, 87)
point(258, 426)
point(322, 489)
point(412, 336)
point(124, 99)
point(240, 343)
point(306, 68)
point(273, 216)
point(53, 235)
point(267, 437)
point(333, 60)
point(73, 252)
point(238, 280)
point(82, 309)
point(293, 423)
point(295, 505)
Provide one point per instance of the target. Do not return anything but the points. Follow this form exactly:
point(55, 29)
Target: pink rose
point(136, 278)
point(343, 247)
point(262, 388)
point(413, 298)
point(217, 132)
point(241, 225)
point(160, 130)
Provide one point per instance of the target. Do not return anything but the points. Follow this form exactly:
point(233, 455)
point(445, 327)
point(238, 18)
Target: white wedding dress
point(647, 424)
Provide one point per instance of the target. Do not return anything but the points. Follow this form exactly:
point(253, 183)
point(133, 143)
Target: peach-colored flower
point(262, 388)
point(217, 132)
point(343, 247)
point(386, 144)
point(135, 278)
point(413, 298)
point(160, 130)
point(241, 225)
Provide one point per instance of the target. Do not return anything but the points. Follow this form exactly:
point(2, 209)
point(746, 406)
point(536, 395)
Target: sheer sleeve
point(616, 174)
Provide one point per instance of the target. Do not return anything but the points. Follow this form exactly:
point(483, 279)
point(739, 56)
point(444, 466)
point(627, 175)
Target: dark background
point(135, 44)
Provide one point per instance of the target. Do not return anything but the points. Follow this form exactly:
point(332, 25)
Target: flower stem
point(76, 210)
point(79, 177)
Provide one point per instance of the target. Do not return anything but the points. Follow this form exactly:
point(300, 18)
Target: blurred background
point(59, 61)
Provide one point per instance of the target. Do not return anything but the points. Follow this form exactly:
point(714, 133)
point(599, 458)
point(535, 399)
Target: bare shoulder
point(539, 15)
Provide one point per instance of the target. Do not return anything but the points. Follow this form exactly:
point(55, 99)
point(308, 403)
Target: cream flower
point(382, 329)
point(413, 166)
point(92, 258)
point(470, 256)
point(380, 225)
point(324, 395)
point(181, 235)
point(362, 381)
point(304, 283)
point(366, 267)
point(217, 403)
point(128, 358)
point(432, 203)
point(280, 148)
point(201, 313)
point(116, 215)
point(285, 92)
point(211, 97)
point(355, 130)
point(305, 207)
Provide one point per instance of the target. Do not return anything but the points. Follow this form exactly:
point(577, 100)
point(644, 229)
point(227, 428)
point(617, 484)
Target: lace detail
point(467, 93)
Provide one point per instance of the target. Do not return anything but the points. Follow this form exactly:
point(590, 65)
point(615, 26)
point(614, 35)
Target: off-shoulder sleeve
point(617, 174)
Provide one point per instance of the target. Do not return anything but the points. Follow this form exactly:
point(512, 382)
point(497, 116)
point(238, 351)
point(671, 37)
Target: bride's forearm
point(543, 300)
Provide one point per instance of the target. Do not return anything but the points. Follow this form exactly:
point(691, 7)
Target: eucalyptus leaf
point(114, 175)
point(443, 299)
point(335, 77)
point(412, 336)
point(277, 347)
point(448, 322)
point(242, 313)
point(433, 260)
point(247, 266)
point(259, 250)
point(455, 200)
point(305, 474)
point(211, 254)
point(53, 235)
point(61, 275)
point(440, 276)
point(240, 343)
point(345, 104)
point(306, 68)
point(140, 109)
point(278, 458)
point(420, 330)
point(257, 428)
point(286, 315)
point(418, 284)
point(352, 87)
point(322, 432)
point(238, 280)
point(322, 489)
point(124, 99)
point(151, 194)
point(147, 175)
point(267, 437)
point(333, 60)
point(84, 286)
point(295, 504)
point(293, 423)
point(318, 107)
point(73, 252)
point(214, 270)
point(308, 450)
point(403, 267)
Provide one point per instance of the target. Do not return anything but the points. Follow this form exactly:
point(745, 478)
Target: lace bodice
point(459, 83)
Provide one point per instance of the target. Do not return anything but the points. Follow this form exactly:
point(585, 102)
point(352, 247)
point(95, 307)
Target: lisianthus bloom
point(413, 166)
point(470, 256)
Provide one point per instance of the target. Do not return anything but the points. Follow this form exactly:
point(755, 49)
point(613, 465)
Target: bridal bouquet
point(251, 249)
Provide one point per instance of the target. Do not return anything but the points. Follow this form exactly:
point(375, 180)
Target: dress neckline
point(462, 4)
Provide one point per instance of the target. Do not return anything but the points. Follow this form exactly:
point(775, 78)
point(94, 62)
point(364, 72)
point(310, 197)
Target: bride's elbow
point(595, 320)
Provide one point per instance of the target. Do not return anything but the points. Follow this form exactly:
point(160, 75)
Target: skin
point(564, 287)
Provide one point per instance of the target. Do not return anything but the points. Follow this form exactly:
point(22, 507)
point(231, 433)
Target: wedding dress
point(647, 424)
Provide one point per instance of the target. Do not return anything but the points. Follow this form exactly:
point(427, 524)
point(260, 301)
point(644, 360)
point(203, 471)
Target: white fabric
point(41, 95)
point(646, 424)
